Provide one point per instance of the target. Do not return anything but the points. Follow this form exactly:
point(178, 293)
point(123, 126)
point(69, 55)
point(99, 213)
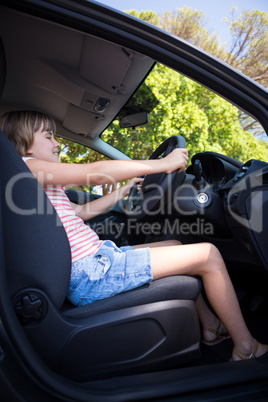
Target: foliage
point(148, 16)
point(189, 24)
point(248, 50)
point(206, 121)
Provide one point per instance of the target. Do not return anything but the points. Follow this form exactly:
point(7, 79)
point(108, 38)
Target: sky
point(214, 10)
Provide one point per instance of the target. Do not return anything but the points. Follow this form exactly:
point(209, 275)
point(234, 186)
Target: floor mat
point(218, 353)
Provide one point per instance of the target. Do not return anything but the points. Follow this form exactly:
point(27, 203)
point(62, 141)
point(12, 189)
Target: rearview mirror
point(134, 120)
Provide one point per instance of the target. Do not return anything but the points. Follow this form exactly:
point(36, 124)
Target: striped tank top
point(83, 240)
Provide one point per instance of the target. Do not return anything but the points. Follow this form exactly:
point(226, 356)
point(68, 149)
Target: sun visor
point(106, 69)
point(81, 121)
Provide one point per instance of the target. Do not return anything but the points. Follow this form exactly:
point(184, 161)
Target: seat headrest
point(36, 248)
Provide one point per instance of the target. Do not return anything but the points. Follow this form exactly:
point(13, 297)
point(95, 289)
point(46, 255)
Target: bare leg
point(204, 260)
point(165, 243)
point(209, 320)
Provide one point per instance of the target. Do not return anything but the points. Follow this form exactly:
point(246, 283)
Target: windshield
point(179, 106)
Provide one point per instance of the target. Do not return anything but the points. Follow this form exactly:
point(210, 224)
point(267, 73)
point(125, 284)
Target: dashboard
point(237, 201)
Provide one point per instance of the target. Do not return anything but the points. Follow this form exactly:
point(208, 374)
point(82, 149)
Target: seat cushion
point(171, 288)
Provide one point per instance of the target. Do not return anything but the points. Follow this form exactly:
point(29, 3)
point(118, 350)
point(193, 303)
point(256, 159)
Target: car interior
point(83, 76)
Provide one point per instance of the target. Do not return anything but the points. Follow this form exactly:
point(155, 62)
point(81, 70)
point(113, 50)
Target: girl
point(100, 269)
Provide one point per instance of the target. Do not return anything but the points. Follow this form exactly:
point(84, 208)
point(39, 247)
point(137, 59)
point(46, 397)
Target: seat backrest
point(36, 248)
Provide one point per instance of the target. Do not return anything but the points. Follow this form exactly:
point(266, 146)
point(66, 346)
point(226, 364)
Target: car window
point(72, 152)
point(179, 106)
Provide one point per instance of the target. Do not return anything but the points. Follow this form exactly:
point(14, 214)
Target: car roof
point(69, 74)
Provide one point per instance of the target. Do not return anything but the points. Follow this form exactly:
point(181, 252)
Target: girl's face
point(44, 147)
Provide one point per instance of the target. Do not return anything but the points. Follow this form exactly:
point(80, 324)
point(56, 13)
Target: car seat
point(149, 328)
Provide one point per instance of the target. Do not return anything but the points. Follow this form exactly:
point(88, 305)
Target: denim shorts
point(111, 270)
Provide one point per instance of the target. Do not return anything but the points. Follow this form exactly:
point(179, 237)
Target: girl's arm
point(96, 207)
point(104, 172)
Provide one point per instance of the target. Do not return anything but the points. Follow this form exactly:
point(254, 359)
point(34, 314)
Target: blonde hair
point(20, 126)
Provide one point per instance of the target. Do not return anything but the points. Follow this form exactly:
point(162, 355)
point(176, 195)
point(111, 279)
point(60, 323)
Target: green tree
point(148, 16)
point(190, 24)
point(207, 121)
point(249, 46)
point(248, 50)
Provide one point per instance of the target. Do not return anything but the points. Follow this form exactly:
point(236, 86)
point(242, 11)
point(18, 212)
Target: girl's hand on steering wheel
point(125, 189)
point(176, 160)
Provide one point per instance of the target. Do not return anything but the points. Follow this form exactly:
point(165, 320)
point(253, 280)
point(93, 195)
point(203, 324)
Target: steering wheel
point(154, 186)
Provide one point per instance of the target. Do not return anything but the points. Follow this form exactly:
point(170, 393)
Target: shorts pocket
point(100, 266)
